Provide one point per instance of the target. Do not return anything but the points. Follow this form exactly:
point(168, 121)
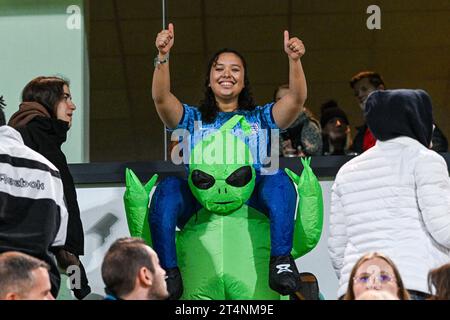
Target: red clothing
point(369, 140)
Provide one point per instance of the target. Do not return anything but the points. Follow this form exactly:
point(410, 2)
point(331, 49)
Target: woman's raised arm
point(288, 108)
point(169, 108)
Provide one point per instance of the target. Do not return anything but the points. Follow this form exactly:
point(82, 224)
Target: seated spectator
point(33, 214)
point(439, 279)
point(131, 271)
point(375, 271)
point(303, 137)
point(376, 295)
point(23, 277)
point(336, 134)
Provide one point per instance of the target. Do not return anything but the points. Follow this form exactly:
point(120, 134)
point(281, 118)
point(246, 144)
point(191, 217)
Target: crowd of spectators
point(389, 221)
point(333, 134)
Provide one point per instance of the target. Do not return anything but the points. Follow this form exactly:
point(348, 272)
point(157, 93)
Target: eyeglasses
point(382, 278)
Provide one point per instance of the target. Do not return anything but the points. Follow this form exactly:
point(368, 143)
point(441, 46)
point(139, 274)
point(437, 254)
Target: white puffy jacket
point(393, 199)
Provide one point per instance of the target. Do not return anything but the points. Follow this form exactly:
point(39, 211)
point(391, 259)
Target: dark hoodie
point(394, 113)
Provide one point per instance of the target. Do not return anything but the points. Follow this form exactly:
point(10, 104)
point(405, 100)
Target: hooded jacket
point(394, 113)
point(45, 135)
point(395, 197)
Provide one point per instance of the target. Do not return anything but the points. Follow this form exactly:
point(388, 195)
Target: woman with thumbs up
point(227, 93)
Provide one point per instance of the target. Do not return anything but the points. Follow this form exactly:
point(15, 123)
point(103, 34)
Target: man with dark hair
point(131, 271)
point(364, 87)
point(363, 84)
point(23, 277)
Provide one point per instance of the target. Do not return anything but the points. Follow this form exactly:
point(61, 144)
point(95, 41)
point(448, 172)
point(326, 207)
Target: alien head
point(221, 173)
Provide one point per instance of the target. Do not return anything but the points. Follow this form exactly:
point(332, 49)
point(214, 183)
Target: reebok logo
point(283, 268)
point(21, 183)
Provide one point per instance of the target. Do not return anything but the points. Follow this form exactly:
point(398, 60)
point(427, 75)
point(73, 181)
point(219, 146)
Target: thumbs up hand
point(293, 47)
point(164, 40)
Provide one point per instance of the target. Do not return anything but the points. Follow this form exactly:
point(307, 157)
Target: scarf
point(27, 112)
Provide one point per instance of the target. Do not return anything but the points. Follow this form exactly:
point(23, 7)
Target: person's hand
point(66, 259)
point(293, 47)
point(164, 40)
point(288, 149)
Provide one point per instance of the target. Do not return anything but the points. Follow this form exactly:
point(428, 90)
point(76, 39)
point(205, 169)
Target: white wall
point(104, 220)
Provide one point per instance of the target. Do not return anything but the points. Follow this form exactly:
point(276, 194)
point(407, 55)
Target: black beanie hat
point(330, 110)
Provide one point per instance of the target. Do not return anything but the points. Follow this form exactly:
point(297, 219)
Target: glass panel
point(108, 57)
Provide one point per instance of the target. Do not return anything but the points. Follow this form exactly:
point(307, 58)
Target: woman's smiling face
point(227, 77)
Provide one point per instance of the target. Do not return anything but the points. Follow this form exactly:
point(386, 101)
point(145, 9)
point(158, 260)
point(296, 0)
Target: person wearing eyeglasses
point(375, 272)
point(43, 120)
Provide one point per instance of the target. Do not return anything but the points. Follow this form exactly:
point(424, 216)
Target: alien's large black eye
point(240, 177)
point(202, 180)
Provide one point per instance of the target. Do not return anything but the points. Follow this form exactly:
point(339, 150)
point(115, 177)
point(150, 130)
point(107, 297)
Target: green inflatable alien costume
point(223, 251)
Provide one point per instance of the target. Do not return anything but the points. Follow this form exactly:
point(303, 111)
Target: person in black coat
point(43, 120)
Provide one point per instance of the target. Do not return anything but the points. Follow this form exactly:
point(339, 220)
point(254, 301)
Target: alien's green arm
point(136, 200)
point(309, 221)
